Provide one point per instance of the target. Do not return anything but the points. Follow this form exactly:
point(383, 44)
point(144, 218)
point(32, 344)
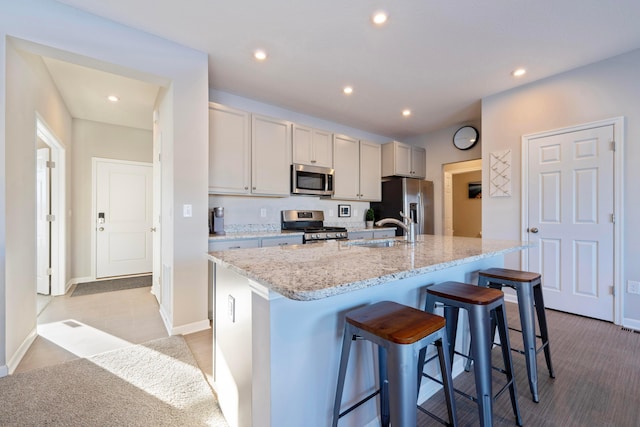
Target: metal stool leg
point(480, 324)
point(344, 360)
point(403, 364)
point(384, 386)
point(527, 320)
point(445, 370)
point(542, 322)
point(501, 320)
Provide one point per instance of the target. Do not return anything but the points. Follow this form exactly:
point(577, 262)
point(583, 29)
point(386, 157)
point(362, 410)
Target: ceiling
point(436, 58)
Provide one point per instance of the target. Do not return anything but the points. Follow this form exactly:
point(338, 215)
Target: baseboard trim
point(165, 319)
point(76, 280)
point(631, 323)
point(14, 361)
point(190, 328)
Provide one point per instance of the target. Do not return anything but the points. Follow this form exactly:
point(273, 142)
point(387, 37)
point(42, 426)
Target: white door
point(156, 287)
point(43, 226)
point(571, 205)
point(123, 218)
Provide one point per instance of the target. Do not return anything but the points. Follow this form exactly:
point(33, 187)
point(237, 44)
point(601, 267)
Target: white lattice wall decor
point(500, 174)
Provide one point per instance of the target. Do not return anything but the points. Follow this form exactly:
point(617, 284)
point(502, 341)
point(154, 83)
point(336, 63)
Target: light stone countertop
point(249, 234)
point(321, 270)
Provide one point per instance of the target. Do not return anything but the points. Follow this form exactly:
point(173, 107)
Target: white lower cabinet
point(257, 242)
point(281, 241)
point(359, 235)
point(382, 234)
point(225, 245)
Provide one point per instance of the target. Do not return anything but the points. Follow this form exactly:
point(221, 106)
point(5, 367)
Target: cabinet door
point(402, 159)
point(346, 168)
point(312, 146)
point(301, 145)
point(370, 172)
point(322, 148)
point(359, 235)
point(271, 156)
point(229, 150)
point(418, 162)
point(281, 241)
point(225, 245)
point(381, 234)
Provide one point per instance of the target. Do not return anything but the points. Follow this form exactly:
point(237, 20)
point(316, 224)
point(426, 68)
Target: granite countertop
point(321, 270)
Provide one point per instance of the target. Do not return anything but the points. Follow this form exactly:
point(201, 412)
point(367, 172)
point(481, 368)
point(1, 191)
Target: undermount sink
point(388, 243)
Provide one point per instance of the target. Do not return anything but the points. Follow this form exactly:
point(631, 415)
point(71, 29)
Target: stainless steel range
point(312, 224)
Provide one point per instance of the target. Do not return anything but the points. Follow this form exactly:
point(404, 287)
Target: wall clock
point(465, 137)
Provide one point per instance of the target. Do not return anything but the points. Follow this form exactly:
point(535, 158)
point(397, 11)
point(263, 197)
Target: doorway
point(122, 201)
point(51, 220)
point(449, 171)
point(571, 198)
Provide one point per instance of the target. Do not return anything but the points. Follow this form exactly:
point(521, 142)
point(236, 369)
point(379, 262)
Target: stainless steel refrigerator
point(412, 196)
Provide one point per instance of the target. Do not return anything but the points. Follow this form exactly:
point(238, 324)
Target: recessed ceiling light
point(260, 55)
point(406, 112)
point(113, 98)
point(348, 90)
point(519, 72)
point(379, 17)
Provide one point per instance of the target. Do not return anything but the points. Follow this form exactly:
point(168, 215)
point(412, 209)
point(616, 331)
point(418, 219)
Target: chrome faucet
point(409, 226)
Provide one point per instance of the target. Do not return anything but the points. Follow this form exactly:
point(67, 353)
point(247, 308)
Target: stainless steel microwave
point(311, 180)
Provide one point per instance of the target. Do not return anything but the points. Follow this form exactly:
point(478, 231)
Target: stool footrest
point(357, 405)
point(434, 416)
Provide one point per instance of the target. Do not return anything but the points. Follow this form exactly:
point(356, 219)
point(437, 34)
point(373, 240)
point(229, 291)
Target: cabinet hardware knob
point(153, 229)
point(533, 230)
point(101, 229)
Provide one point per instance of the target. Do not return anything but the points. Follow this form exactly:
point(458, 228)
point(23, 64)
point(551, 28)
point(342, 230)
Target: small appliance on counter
point(216, 221)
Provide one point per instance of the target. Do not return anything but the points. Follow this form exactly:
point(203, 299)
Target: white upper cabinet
point(271, 156)
point(399, 159)
point(312, 146)
point(370, 178)
point(248, 154)
point(357, 169)
point(229, 150)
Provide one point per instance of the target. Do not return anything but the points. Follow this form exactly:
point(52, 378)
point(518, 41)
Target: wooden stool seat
point(466, 294)
point(514, 275)
point(402, 335)
point(395, 322)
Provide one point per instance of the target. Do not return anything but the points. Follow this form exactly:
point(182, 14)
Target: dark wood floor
point(597, 378)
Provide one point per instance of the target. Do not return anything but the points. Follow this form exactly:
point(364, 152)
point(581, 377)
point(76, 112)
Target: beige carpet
point(152, 384)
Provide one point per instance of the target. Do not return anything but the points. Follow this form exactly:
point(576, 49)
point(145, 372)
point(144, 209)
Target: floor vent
point(72, 324)
point(630, 330)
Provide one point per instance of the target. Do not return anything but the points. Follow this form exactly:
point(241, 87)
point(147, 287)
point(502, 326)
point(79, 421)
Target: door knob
point(533, 230)
point(101, 229)
point(153, 229)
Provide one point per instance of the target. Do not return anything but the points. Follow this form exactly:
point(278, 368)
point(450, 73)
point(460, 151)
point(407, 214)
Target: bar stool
point(485, 307)
point(528, 288)
point(402, 334)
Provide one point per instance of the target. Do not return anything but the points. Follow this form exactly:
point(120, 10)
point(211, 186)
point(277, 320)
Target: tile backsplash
point(243, 213)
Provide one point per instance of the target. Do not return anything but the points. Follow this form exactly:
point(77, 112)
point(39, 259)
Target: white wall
point(602, 90)
point(93, 139)
point(69, 34)
point(31, 90)
point(440, 151)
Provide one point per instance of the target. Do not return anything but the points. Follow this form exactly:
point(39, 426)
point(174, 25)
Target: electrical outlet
point(263, 213)
point(633, 287)
point(231, 308)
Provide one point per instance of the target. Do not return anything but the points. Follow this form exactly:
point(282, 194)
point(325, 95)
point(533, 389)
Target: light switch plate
point(231, 308)
point(187, 211)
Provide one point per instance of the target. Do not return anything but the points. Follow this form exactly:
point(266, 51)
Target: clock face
point(465, 137)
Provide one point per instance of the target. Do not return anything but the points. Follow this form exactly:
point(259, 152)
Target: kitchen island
point(278, 320)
